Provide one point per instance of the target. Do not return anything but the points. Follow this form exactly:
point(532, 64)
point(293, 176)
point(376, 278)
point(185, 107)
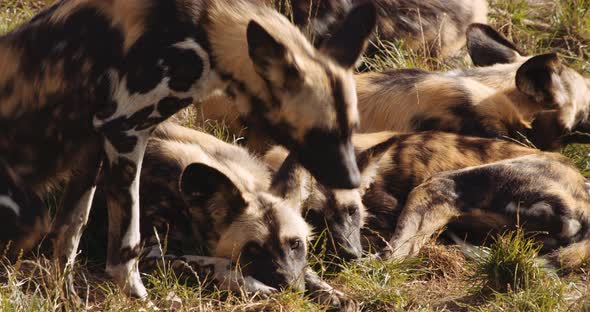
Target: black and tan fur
point(535, 98)
point(215, 204)
point(90, 79)
point(26, 218)
point(414, 184)
point(542, 193)
point(431, 179)
point(435, 27)
point(336, 215)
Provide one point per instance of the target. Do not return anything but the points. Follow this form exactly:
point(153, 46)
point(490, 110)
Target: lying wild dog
point(545, 193)
point(536, 98)
point(223, 213)
point(87, 79)
point(489, 180)
point(436, 27)
point(434, 178)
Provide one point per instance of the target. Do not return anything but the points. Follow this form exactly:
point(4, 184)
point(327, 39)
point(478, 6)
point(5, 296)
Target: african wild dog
point(511, 179)
point(545, 193)
point(224, 211)
point(335, 214)
point(537, 98)
point(87, 79)
point(437, 26)
point(429, 179)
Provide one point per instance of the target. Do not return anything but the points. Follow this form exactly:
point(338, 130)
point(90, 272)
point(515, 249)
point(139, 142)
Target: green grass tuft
point(510, 263)
point(379, 285)
point(546, 296)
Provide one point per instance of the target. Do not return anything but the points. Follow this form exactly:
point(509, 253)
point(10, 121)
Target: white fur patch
point(155, 252)
point(8, 202)
point(511, 207)
point(570, 227)
point(536, 210)
point(540, 209)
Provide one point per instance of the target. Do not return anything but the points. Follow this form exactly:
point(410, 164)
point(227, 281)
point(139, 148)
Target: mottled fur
point(215, 203)
point(414, 184)
point(25, 216)
point(337, 215)
point(536, 98)
point(430, 179)
point(87, 80)
point(543, 193)
point(436, 27)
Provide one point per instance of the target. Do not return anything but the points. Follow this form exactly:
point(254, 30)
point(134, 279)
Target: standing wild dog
point(436, 26)
point(537, 97)
point(544, 189)
point(87, 79)
point(224, 211)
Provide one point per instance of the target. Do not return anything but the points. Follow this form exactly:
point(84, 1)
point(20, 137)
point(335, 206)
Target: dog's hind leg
point(72, 215)
point(25, 217)
point(429, 207)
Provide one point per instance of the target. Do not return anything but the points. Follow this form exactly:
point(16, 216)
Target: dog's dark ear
point(200, 184)
point(349, 41)
point(272, 59)
point(487, 47)
point(540, 78)
point(368, 162)
point(263, 48)
point(290, 182)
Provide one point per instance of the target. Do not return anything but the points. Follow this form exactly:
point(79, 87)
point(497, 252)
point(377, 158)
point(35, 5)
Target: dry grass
point(504, 277)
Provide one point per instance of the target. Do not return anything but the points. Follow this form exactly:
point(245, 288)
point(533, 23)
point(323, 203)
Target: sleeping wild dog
point(414, 184)
point(545, 193)
point(87, 79)
point(535, 98)
point(215, 204)
point(436, 27)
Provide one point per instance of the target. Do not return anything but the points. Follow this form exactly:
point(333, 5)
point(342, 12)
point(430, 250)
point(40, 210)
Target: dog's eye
point(296, 244)
point(352, 210)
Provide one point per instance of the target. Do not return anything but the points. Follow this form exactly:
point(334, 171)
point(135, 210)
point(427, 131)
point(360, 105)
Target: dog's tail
point(572, 256)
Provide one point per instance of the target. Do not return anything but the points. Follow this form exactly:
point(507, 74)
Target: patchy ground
point(507, 276)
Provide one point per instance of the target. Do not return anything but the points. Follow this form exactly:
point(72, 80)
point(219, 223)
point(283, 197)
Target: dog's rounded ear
point(487, 47)
point(291, 182)
point(271, 57)
point(368, 162)
point(349, 41)
point(200, 183)
point(540, 78)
